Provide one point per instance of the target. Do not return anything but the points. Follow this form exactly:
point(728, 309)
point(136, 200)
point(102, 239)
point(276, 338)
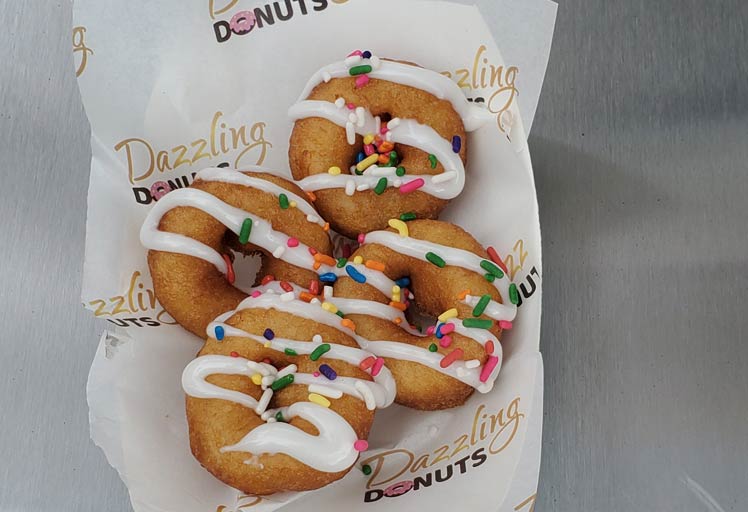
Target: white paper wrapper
point(165, 99)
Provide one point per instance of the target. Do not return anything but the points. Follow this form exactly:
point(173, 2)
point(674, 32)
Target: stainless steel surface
point(640, 158)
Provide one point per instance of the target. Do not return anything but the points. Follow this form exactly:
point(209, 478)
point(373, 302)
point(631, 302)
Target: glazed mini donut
point(276, 400)
point(189, 233)
point(375, 138)
point(450, 276)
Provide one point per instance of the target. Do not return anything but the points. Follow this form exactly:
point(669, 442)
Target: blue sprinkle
point(328, 278)
point(355, 274)
point(439, 334)
point(220, 333)
point(366, 54)
point(456, 143)
point(269, 334)
point(328, 372)
point(361, 155)
point(403, 282)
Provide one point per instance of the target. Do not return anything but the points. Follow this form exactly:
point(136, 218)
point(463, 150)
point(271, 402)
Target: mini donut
point(276, 401)
point(376, 138)
point(449, 275)
point(190, 233)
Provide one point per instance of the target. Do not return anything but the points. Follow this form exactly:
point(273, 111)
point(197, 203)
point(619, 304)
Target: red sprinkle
point(230, 276)
point(293, 242)
point(361, 238)
point(412, 186)
point(383, 130)
point(367, 363)
point(378, 364)
point(316, 374)
point(312, 251)
point(496, 259)
point(451, 358)
point(234, 354)
point(505, 324)
point(268, 278)
point(286, 286)
point(314, 287)
point(488, 368)
point(351, 106)
point(489, 347)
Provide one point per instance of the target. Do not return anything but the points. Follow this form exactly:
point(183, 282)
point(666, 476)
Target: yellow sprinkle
point(329, 306)
point(334, 170)
point(292, 204)
point(369, 138)
point(396, 293)
point(257, 379)
point(400, 226)
point(319, 400)
point(367, 162)
point(267, 344)
point(358, 260)
point(450, 313)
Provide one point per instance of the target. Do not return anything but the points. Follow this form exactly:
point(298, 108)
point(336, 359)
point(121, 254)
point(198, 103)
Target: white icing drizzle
point(407, 131)
point(442, 87)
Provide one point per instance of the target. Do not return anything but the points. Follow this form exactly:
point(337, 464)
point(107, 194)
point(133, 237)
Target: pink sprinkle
point(361, 238)
point(445, 341)
point(355, 52)
point(293, 242)
point(351, 106)
point(488, 368)
point(361, 81)
point(256, 294)
point(489, 347)
point(378, 364)
point(361, 445)
point(506, 325)
point(412, 186)
point(368, 149)
point(383, 130)
point(316, 374)
point(312, 251)
point(430, 329)
point(451, 358)
point(447, 328)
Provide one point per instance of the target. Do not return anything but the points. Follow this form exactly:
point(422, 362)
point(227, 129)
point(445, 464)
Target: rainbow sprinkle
point(433, 347)
point(328, 277)
point(478, 323)
point(290, 352)
point(360, 70)
point(245, 231)
point(400, 226)
point(407, 216)
point(433, 161)
point(456, 143)
point(366, 469)
point(451, 358)
point(268, 334)
point(283, 200)
point(412, 186)
point(319, 351)
point(381, 186)
point(220, 333)
point(328, 372)
point(318, 399)
point(481, 306)
point(377, 367)
point(342, 262)
point(281, 383)
point(513, 294)
point(355, 274)
point(435, 259)
point(450, 313)
point(491, 269)
point(488, 368)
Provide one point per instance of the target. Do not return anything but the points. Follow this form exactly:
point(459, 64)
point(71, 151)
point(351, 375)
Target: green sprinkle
point(283, 199)
point(342, 262)
point(478, 323)
point(246, 230)
point(481, 306)
point(381, 186)
point(432, 347)
point(281, 383)
point(435, 259)
point(366, 469)
point(490, 278)
point(393, 158)
point(279, 416)
point(358, 173)
point(513, 294)
point(491, 268)
point(360, 70)
point(433, 161)
point(405, 217)
point(325, 347)
point(290, 352)
point(340, 313)
point(400, 171)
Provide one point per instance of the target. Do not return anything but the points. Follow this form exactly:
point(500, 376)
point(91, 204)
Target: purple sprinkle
point(269, 334)
point(328, 372)
point(456, 143)
point(366, 54)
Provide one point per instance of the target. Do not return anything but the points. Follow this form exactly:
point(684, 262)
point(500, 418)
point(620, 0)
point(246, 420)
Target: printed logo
point(238, 20)
point(144, 159)
point(397, 472)
point(80, 50)
point(500, 81)
point(130, 308)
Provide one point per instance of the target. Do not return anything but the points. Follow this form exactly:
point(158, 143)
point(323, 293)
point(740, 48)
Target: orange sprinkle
point(317, 265)
point(398, 320)
point(463, 294)
point(312, 197)
point(327, 226)
point(346, 322)
point(399, 305)
point(375, 265)
point(325, 259)
point(384, 159)
point(306, 296)
point(386, 147)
